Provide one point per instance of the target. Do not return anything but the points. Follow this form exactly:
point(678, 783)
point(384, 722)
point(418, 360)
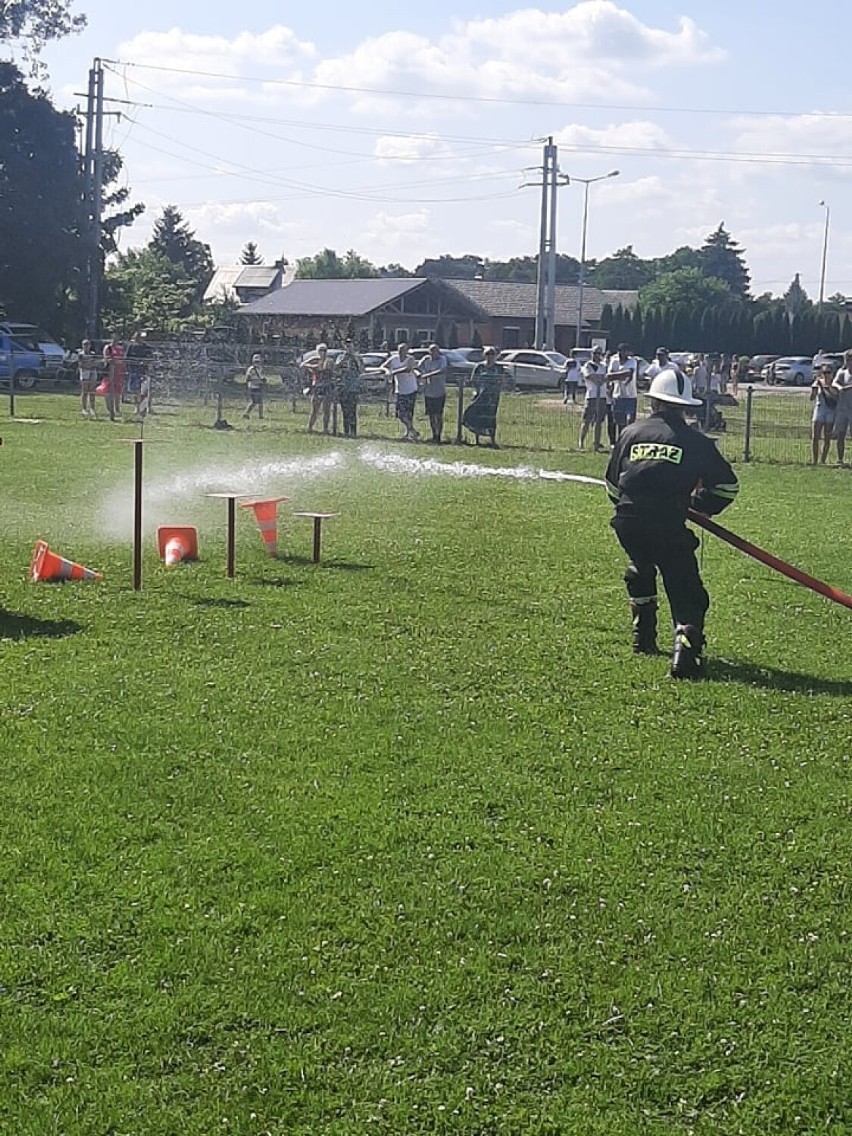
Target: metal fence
point(204, 382)
point(759, 426)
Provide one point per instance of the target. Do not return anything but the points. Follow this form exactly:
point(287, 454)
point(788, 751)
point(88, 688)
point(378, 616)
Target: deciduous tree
point(41, 210)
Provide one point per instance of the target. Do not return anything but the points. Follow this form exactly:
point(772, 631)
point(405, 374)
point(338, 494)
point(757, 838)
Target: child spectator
point(255, 382)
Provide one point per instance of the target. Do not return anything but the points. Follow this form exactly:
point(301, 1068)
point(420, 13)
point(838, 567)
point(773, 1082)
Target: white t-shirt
point(594, 376)
point(624, 388)
point(402, 373)
point(655, 368)
point(842, 383)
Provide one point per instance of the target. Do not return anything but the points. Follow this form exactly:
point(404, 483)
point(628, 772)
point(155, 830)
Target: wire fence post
point(747, 439)
point(460, 410)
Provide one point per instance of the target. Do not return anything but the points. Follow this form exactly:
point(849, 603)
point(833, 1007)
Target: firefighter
point(660, 467)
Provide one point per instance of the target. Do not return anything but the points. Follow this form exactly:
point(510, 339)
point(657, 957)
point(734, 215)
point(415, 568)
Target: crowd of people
point(831, 394)
point(611, 389)
point(339, 379)
point(116, 369)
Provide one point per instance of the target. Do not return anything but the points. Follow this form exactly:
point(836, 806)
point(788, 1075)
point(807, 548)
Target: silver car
point(797, 370)
point(534, 370)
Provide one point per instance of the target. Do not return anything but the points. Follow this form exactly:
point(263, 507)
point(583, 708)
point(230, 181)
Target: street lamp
point(586, 182)
point(827, 209)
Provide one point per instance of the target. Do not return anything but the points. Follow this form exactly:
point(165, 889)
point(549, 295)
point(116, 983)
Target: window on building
point(511, 338)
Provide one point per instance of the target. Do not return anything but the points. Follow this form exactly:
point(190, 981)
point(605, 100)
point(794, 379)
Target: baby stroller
point(708, 416)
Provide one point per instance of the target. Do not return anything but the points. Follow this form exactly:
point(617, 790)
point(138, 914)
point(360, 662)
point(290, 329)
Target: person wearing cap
point(622, 375)
point(255, 382)
point(661, 360)
point(594, 408)
point(434, 370)
point(660, 468)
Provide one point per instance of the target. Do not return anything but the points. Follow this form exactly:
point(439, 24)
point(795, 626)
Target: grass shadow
point(277, 582)
point(750, 674)
point(15, 626)
point(226, 603)
point(342, 565)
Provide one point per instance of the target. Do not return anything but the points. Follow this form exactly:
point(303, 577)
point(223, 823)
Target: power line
point(749, 157)
point(391, 92)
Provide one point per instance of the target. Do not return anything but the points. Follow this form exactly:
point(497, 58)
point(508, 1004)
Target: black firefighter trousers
point(671, 549)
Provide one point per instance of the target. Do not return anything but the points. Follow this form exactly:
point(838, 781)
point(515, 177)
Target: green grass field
point(409, 841)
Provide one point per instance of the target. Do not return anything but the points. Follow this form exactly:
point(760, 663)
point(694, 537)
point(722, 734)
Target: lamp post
point(585, 182)
point(827, 209)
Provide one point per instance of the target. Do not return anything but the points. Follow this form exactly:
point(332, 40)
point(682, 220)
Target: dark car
point(756, 365)
point(833, 359)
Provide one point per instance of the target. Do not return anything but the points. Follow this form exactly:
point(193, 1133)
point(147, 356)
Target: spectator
point(843, 415)
point(349, 368)
point(622, 375)
point(87, 363)
point(400, 368)
point(661, 361)
point(434, 370)
point(138, 354)
point(481, 416)
point(321, 372)
point(113, 380)
point(594, 408)
point(255, 382)
point(571, 381)
point(822, 422)
point(700, 377)
point(716, 378)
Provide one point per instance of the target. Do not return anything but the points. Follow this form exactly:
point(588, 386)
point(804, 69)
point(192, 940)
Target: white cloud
point(390, 234)
point(223, 61)
point(594, 30)
point(641, 135)
point(407, 148)
point(817, 136)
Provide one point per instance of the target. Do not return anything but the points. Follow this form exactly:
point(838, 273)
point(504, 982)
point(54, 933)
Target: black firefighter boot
point(644, 627)
point(686, 658)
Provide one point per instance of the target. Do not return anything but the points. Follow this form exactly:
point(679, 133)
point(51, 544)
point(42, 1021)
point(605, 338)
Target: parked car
point(333, 353)
point(535, 370)
point(23, 360)
point(463, 358)
point(35, 338)
point(757, 365)
point(834, 359)
point(796, 370)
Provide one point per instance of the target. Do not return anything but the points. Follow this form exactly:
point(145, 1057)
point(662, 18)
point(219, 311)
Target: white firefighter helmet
point(671, 385)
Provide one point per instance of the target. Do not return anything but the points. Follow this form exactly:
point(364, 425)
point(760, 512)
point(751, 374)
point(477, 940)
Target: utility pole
point(585, 182)
point(93, 177)
point(545, 311)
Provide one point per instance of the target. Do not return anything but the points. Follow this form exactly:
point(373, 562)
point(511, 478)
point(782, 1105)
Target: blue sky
point(406, 131)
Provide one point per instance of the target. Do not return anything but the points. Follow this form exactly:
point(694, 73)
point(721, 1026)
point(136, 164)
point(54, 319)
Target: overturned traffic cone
point(266, 515)
point(46, 565)
point(176, 543)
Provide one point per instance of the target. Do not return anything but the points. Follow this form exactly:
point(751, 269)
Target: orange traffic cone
point(46, 565)
point(176, 543)
point(266, 515)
